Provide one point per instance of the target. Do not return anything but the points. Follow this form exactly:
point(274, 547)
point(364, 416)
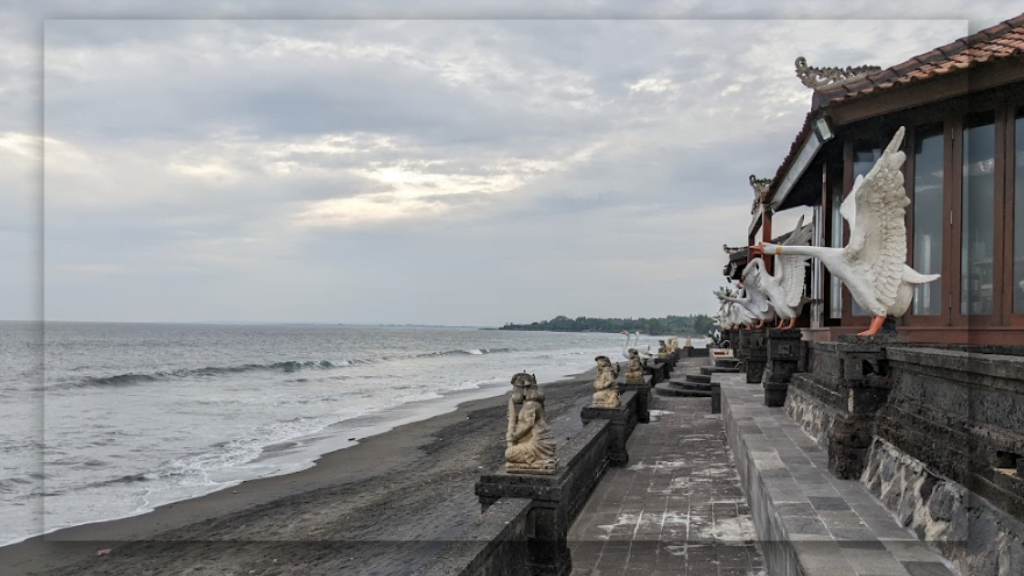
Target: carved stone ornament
point(817, 78)
point(760, 186)
point(530, 444)
point(606, 393)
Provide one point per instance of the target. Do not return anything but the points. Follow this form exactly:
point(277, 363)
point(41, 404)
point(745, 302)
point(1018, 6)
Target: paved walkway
point(676, 509)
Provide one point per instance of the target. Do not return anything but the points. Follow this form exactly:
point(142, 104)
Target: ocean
point(103, 421)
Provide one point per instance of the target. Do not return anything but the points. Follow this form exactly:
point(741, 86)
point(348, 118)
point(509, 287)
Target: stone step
point(697, 378)
point(690, 385)
point(709, 370)
point(665, 389)
point(726, 362)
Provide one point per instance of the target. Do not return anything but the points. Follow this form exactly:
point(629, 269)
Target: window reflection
point(928, 220)
point(1018, 216)
point(978, 215)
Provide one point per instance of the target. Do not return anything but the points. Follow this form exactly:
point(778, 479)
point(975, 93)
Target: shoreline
point(393, 448)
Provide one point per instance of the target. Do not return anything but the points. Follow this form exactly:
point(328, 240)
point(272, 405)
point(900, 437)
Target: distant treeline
point(696, 325)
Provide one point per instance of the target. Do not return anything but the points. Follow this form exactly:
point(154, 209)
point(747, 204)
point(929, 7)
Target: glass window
point(865, 154)
point(836, 287)
point(977, 242)
point(1018, 215)
point(928, 220)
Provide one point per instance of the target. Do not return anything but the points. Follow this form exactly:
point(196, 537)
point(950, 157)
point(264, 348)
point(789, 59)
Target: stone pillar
point(643, 396)
point(783, 358)
point(754, 345)
point(716, 398)
point(863, 389)
point(623, 420)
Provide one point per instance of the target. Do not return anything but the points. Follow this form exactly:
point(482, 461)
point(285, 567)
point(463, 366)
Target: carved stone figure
point(607, 392)
point(530, 445)
point(673, 345)
point(663, 352)
point(635, 371)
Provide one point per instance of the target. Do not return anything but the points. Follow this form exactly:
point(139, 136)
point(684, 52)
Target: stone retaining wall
point(813, 415)
point(495, 545)
point(978, 538)
point(962, 414)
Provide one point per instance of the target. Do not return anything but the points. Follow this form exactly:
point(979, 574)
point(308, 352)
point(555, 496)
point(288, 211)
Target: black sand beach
point(382, 507)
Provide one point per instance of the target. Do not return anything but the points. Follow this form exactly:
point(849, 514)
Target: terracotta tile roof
point(1001, 41)
point(998, 42)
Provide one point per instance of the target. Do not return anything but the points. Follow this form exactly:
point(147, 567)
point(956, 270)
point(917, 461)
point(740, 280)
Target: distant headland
point(697, 324)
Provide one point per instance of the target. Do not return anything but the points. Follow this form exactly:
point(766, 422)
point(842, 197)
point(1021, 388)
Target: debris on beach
point(103, 551)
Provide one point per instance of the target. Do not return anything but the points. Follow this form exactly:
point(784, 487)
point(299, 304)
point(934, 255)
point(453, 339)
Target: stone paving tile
point(676, 509)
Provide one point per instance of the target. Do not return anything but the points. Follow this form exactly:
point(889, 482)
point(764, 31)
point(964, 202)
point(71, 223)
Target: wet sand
point(381, 507)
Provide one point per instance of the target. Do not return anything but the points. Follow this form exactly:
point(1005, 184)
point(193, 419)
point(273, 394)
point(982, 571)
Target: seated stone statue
point(673, 344)
point(663, 352)
point(607, 392)
point(530, 443)
point(635, 372)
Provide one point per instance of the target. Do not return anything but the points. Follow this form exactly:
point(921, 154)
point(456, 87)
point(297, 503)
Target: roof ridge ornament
point(760, 186)
point(826, 77)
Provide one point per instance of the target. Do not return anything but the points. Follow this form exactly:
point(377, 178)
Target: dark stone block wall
point(962, 414)
point(495, 545)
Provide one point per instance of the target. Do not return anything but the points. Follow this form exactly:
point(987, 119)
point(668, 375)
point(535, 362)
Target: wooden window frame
point(909, 172)
point(1013, 104)
point(957, 318)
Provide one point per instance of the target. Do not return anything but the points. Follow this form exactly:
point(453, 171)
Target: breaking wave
point(286, 367)
point(471, 351)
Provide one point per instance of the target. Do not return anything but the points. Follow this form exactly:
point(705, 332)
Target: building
point(963, 108)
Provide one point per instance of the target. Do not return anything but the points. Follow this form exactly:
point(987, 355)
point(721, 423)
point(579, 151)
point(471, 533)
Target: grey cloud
point(616, 183)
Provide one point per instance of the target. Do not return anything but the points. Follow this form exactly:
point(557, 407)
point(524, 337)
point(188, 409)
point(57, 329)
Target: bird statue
point(753, 300)
point(644, 354)
point(785, 290)
point(733, 313)
point(873, 264)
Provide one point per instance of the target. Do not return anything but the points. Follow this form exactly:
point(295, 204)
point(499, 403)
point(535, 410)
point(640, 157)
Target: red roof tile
point(1003, 40)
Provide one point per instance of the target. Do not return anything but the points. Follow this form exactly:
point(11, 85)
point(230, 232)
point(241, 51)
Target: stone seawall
point(978, 538)
point(494, 546)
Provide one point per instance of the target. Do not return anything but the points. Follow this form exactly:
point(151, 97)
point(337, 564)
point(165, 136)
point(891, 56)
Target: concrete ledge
point(808, 522)
point(495, 545)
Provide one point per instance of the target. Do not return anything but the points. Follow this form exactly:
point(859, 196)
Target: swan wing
point(793, 268)
point(878, 240)
point(756, 302)
point(848, 209)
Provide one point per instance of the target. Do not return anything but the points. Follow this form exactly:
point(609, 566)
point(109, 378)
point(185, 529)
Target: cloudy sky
point(256, 161)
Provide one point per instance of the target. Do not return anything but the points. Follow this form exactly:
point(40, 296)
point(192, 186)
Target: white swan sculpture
point(644, 354)
point(873, 264)
point(753, 299)
point(785, 290)
point(732, 313)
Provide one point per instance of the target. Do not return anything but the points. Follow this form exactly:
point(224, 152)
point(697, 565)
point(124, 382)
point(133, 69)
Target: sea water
point(102, 421)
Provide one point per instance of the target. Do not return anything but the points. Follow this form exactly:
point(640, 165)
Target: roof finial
point(818, 78)
point(760, 186)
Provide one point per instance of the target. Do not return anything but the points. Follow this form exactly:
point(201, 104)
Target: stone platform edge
point(797, 532)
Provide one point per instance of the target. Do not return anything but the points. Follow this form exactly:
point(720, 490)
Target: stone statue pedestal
point(753, 350)
point(643, 396)
point(657, 369)
point(623, 420)
point(783, 358)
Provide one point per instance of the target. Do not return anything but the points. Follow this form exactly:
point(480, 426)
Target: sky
point(454, 163)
